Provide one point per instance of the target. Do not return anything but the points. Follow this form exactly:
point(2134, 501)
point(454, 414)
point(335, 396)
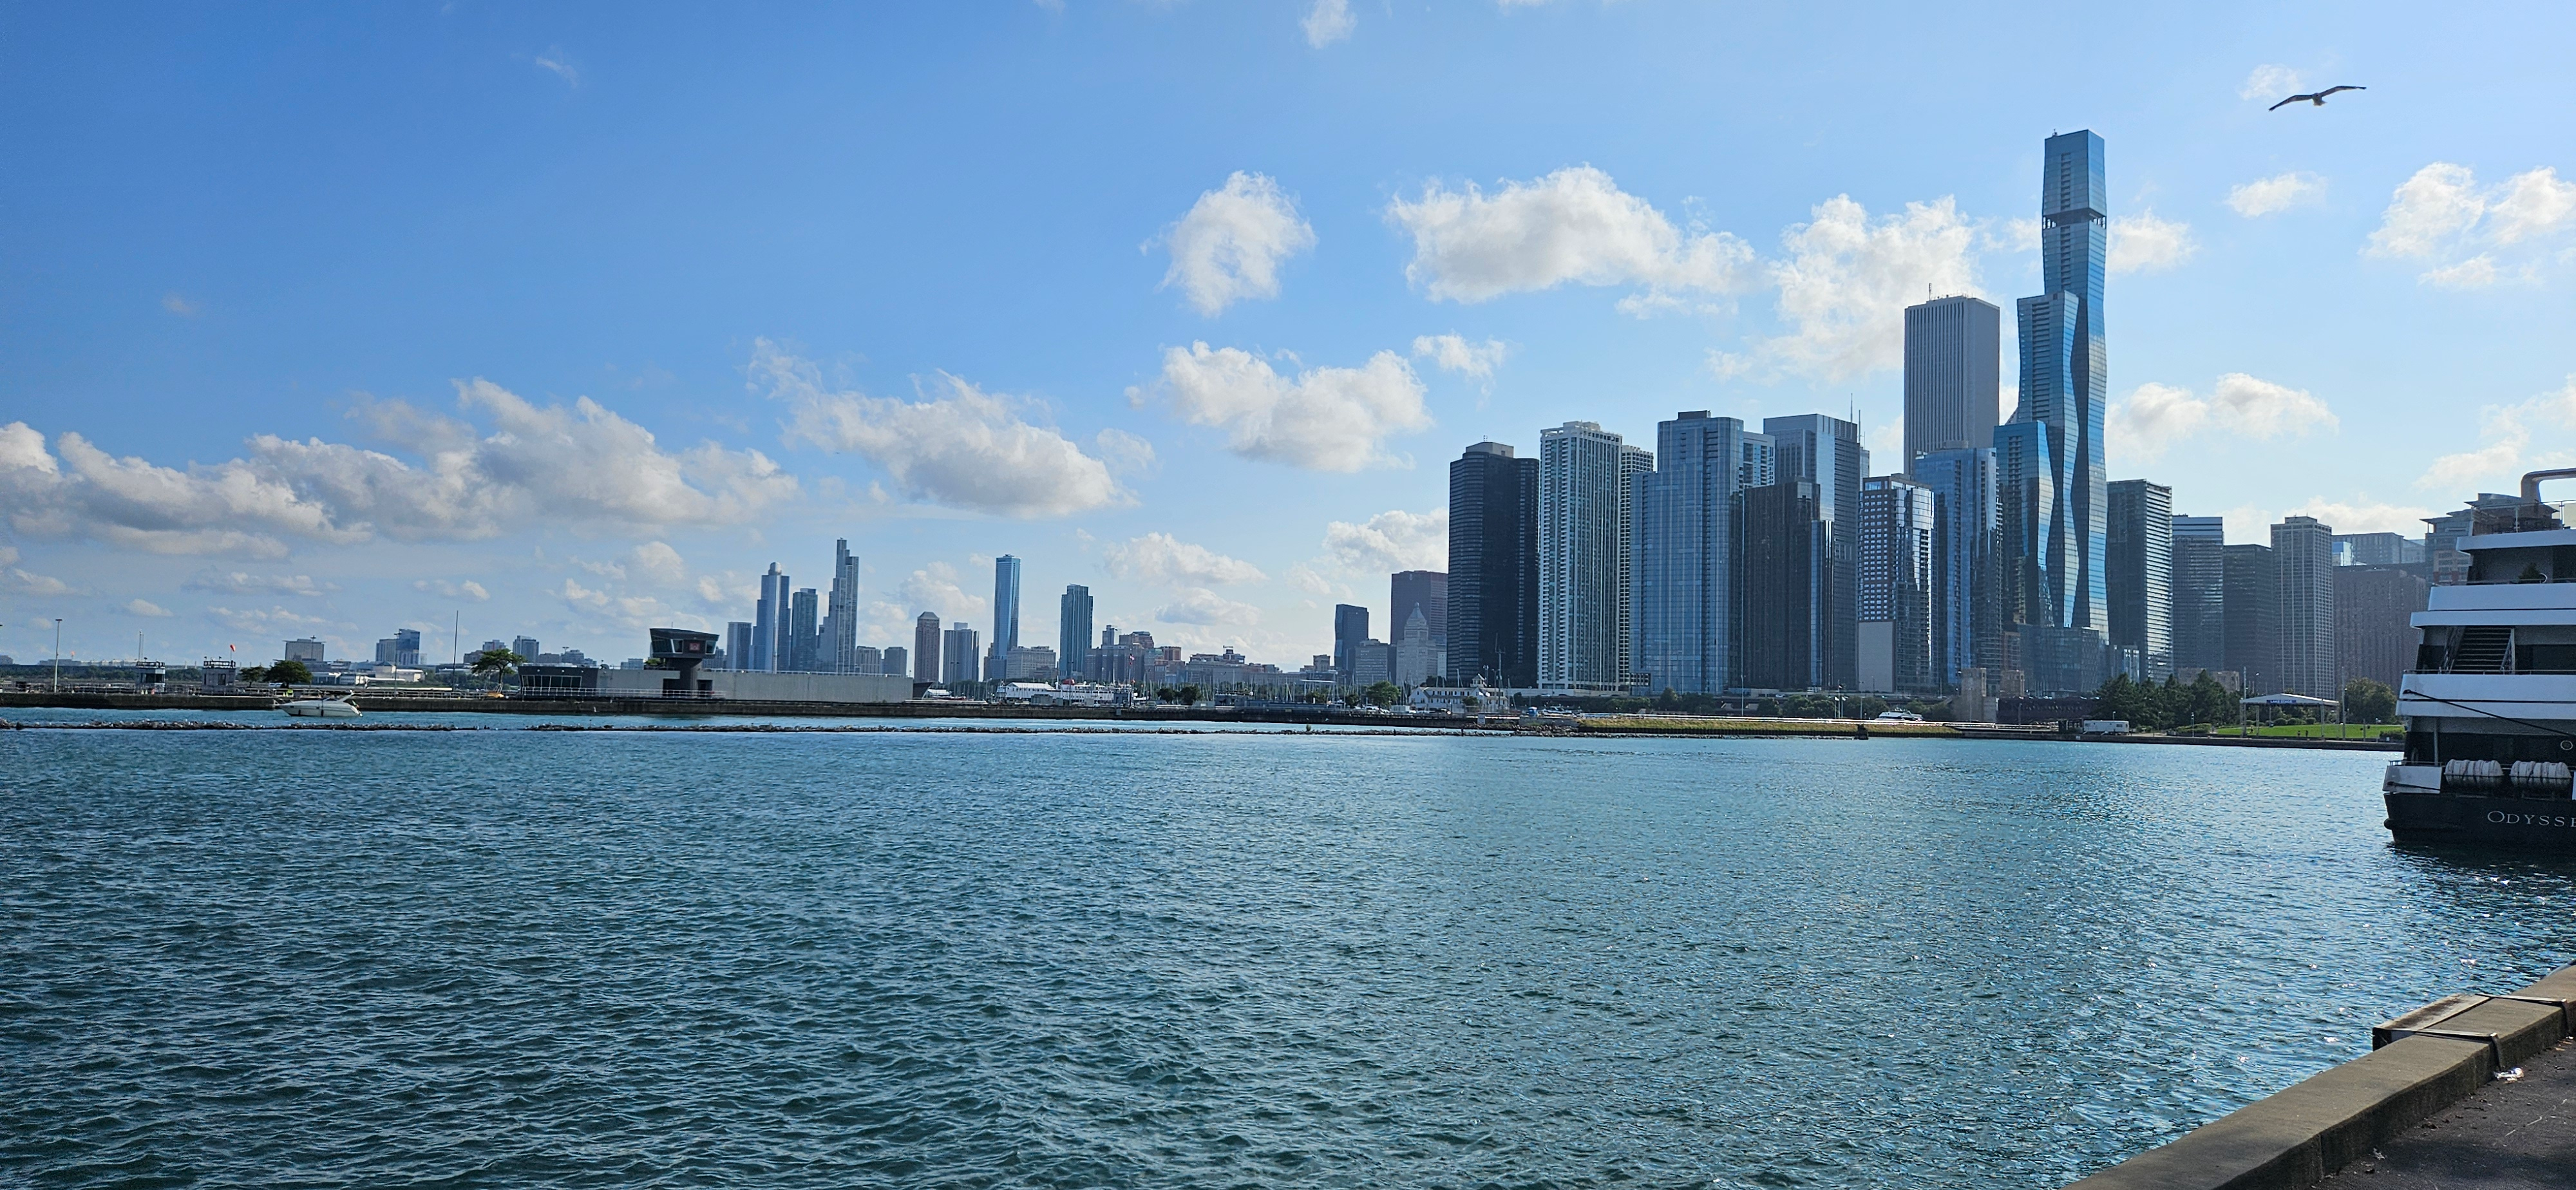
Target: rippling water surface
point(511, 958)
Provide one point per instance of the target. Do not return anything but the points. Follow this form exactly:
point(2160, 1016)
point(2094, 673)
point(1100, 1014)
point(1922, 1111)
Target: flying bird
point(2317, 97)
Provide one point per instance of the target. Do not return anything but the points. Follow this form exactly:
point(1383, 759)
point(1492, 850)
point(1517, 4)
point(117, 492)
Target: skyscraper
point(1073, 631)
point(1006, 605)
point(2253, 617)
point(1493, 567)
point(1425, 589)
point(2199, 593)
point(2065, 382)
point(959, 661)
point(1897, 582)
point(1965, 600)
point(2138, 564)
point(1776, 638)
point(1687, 516)
point(803, 609)
point(1953, 354)
point(841, 619)
point(1633, 461)
point(769, 622)
point(1826, 452)
point(925, 648)
point(2304, 551)
point(737, 645)
point(1580, 514)
point(2375, 607)
point(1350, 636)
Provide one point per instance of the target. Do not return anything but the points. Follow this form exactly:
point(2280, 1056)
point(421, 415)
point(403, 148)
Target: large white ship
point(2490, 707)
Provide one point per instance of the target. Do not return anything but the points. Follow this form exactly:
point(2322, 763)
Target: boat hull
point(2536, 824)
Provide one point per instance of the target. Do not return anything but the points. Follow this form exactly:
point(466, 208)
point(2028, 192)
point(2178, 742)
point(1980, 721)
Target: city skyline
point(618, 452)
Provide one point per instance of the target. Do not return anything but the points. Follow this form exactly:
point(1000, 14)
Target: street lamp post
point(58, 654)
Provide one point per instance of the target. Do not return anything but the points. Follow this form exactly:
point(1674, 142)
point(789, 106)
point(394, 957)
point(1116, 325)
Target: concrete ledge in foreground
point(2426, 1061)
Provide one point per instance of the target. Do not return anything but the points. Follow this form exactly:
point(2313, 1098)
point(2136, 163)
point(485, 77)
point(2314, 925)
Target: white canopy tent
point(2285, 699)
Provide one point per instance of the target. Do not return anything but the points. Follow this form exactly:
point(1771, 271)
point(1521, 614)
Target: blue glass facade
point(1965, 601)
point(2065, 381)
point(1006, 606)
point(1685, 540)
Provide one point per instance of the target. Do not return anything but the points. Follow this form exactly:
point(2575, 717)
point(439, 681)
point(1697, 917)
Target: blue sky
point(570, 321)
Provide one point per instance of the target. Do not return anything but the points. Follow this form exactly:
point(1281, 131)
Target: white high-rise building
point(1582, 523)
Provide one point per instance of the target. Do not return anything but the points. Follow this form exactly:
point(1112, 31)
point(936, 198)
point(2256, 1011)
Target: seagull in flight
point(2316, 97)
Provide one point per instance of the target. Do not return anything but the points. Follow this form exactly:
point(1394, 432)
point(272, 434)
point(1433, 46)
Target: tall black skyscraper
point(1493, 567)
point(1776, 643)
point(2138, 574)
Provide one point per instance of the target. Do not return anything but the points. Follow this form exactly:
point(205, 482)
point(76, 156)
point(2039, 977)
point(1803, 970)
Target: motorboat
point(321, 708)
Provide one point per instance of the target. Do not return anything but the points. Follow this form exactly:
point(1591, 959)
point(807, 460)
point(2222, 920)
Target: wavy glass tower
point(2065, 386)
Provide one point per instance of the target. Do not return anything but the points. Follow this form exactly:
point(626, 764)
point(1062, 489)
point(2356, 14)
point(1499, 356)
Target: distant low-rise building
point(307, 650)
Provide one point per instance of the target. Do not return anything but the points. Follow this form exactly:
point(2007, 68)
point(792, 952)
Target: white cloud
point(146, 608)
point(2156, 416)
point(1230, 244)
point(2269, 83)
point(17, 581)
point(1327, 22)
point(1390, 541)
point(577, 465)
point(2365, 516)
point(2441, 216)
point(468, 590)
point(2508, 429)
point(1162, 558)
point(2144, 243)
point(2280, 192)
point(1198, 605)
point(1846, 282)
point(556, 61)
point(275, 621)
point(1453, 353)
point(239, 583)
point(1325, 419)
point(178, 304)
point(2440, 202)
point(2477, 272)
point(964, 448)
point(2534, 203)
point(657, 562)
point(936, 588)
point(1574, 225)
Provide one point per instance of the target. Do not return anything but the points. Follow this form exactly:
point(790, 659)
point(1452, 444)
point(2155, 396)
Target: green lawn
point(2324, 731)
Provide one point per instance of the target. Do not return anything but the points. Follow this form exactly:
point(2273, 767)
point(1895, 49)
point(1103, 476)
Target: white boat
point(321, 708)
point(2490, 706)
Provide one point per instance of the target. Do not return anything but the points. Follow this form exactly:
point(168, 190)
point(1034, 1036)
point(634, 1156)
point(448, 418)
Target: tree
point(2368, 701)
point(1383, 694)
point(1189, 696)
point(1166, 694)
point(289, 672)
point(496, 663)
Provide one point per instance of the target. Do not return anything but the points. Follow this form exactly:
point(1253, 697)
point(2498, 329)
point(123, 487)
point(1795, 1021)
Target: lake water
point(315, 958)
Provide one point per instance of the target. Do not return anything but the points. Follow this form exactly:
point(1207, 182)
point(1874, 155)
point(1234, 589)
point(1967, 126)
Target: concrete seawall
point(2422, 1063)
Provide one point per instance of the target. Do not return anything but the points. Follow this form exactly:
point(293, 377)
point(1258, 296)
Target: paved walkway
point(2509, 1136)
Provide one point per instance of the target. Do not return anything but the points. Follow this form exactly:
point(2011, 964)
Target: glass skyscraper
point(1686, 534)
point(1493, 567)
point(1582, 525)
point(2065, 386)
point(1826, 452)
point(1965, 596)
point(1006, 606)
point(2139, 551)
point(1073, 631)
